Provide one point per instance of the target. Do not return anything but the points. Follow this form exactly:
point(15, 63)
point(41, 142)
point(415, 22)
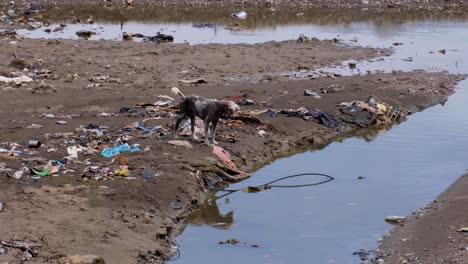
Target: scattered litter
point(352, 65)
point(463, 229)
point(34, 126)
point(203, 25)
point(181, 143)
point(34, 143)
point(234, 241)
point(122, 172)
point(104, 115)
point(16, 80)
point(61, 122)
point(159, 38)
point(442, 51)
point(332, 89)
point(194, 81)
point(310, 93)
point(262, 133)
point(240, 15)
point(72, 152)
point(20, 173)
point(395, 219)
point(111, 152)
point(409, 59)
point(397, 44)
point(229, 165)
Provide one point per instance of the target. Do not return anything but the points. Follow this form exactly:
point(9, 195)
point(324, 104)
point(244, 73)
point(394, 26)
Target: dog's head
point(230, 109)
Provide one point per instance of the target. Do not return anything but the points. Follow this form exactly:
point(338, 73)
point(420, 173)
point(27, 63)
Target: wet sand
point(431, 234)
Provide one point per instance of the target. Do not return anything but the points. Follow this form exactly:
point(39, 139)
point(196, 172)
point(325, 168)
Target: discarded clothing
point(320, 117)
point(226, 159)
point(325, 119)
point(115, 151)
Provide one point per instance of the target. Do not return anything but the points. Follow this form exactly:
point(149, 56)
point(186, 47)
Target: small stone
point(61, 122)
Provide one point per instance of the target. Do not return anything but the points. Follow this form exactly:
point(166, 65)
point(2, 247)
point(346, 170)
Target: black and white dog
point(209, 110)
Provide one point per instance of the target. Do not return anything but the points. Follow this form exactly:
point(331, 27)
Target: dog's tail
point(176, 92)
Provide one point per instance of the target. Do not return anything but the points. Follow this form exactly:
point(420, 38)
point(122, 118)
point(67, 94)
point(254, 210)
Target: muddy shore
point(431, 234)
point(135, 220)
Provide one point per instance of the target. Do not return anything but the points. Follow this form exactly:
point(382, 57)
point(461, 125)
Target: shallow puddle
point(403, 169)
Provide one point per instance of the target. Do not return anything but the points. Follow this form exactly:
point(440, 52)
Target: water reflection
point(210, 215)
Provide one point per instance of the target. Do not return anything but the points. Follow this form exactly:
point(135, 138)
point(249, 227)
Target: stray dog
point(209, 110)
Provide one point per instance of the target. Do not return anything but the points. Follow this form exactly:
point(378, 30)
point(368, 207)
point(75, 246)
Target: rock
point(82, 259)
point(85, 33)
point(61, 122)
point(262, 133)
point(19, 64)
point(11, 13)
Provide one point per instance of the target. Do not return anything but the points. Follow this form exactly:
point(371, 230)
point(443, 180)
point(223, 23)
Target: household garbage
point(395, 219)
point(34, 143)
point(203, 25)
point(240, 15)
point(159, 38)
point(194, 81)
point(234, 241)
point(370, 112)
point(234, 174)
point(115, 151)
point(310, 93)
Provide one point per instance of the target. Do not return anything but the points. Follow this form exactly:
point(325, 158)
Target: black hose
point(269, 185)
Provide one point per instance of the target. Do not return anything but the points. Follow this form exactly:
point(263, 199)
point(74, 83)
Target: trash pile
point(158, 38)
point(371, 112)
point(368, 113)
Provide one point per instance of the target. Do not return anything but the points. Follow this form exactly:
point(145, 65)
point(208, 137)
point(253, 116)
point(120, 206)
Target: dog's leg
point(192, 123)
point(177, 124)
point(207, 132)
point(213, 132)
